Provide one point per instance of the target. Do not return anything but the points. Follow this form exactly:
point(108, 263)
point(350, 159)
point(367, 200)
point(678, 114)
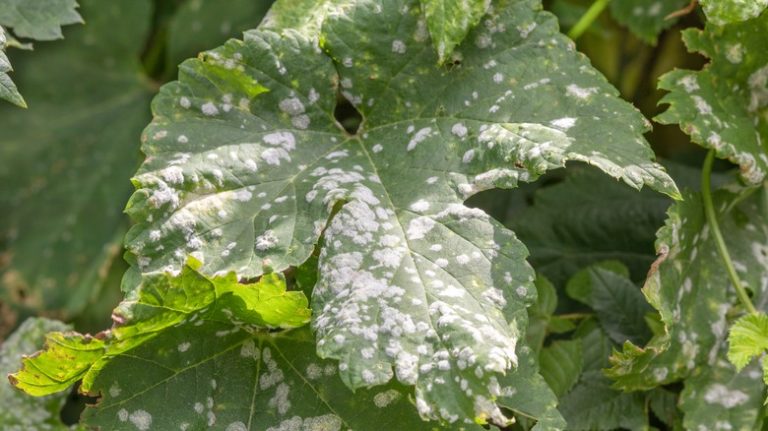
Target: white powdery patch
point(689, 82)
point(209, 109)
point(122, 414)
point(419, 227)
point(291, 106)
point(114, 390)
point(284, 140)
point(183, 347)
point(236, 426)
point(384, 399)
point(418, 138)
point(580, 92)
point(398, 47)
point(702, 106)
point(720, 394)
point(420, 205)
point(758, 87)
point(564, 123)
point(280, 400)
point(266, 241)
point(141, 420)
point(173, 175)
point(468, 156)
point(735, 53)
point(459, 129)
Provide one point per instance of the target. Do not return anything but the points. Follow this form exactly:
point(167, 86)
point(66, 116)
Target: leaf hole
point(347, 115)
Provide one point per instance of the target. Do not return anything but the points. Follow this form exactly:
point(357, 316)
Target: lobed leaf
point(21, 412)
point(747, 338)
point(723, 106)
point(691, 292)
point(38, 19)
point(8, 90)
point(721, 12)
point(159, 303)
point(246, 164)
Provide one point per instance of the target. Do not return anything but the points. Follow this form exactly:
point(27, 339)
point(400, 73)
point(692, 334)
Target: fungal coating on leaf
point(388, 301)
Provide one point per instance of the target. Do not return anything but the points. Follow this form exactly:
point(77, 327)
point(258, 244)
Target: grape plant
point(326, 215)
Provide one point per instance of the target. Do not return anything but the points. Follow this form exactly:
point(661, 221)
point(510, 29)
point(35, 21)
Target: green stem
point(709, 210)
point(588, 18)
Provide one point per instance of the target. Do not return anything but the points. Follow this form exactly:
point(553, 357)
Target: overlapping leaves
point(246, 164)
point(646, 18)
point(65, 160)
point(695, 299)
point(30, 19)
point(723, 107)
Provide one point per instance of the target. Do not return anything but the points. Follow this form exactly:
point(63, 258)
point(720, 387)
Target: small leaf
point(722, 12)
point(449, 22)
point(748, 338)
point(561, 364)
point(20, 411)
point(618, 303)
point(646, 18)
point(38, 19)
point(8, 90)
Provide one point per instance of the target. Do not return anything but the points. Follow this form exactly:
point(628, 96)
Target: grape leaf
point(64, 162)
point(691, 291)
point(21, 412)
point(718, 397)
point(38, 19)
point(237, 381)
point(8, 90)
point(723, 12)
point(161, 302)
point(450, 21)
point(246, 163)
point(748, 338)
point(200, 24)
point(646, 18)
point(723, 106)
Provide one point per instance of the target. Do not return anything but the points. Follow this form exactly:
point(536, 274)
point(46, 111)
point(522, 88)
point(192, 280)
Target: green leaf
point(540, 313)
point(161, 302)
point(663, 404)
point(230, 379)
point(450, 21)
point(8, 90)
point(561, 364)
point(38, 19)
point(21, 412)
point(723, 106)
point(246, 164)
point(527, 395)
point(718, 396)
point(596, 226)
point(646, 18)
point(200, 24)
point(722, 12)
point(618, 303)
point(64, 162)
point(689, 288)
point(747, 338)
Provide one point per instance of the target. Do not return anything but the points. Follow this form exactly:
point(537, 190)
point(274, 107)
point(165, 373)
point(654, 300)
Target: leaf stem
point(709, 210)
point(588, 18)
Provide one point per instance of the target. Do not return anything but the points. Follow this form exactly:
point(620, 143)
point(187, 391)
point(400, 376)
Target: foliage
point(359, 214)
